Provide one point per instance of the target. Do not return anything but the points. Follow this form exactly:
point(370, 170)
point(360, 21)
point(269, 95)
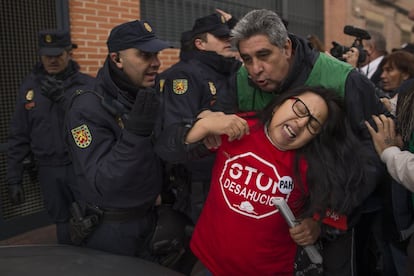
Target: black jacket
point(37, 122)
point(205, 76)
point(115, 168)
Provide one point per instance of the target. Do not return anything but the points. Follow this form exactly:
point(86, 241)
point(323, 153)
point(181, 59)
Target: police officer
point(110, 139)
point(206, 62)
point(37, 127)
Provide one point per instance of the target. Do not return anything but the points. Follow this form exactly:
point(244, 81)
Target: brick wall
point(90, 24)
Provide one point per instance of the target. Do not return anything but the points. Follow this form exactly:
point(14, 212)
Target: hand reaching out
point(385, 136)
point(227, 16)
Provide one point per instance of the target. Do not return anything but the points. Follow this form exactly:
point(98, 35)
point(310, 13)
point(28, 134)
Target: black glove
point(52, 88)
point(16, 194)
point(144, 112)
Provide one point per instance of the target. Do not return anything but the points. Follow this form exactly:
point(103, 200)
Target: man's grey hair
point(378, 41)
point(263, 22)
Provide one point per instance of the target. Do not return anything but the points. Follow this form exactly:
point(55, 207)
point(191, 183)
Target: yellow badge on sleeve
point(82, 136)
point(180, 86)
point(30, 95)
point(162, 82)
point(213, 89)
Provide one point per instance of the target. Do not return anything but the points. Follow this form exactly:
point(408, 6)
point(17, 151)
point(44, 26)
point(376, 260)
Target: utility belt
point(122, 214)
point(85, 220)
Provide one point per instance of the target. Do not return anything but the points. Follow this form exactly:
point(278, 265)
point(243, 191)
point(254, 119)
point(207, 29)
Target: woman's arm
point(217, 123)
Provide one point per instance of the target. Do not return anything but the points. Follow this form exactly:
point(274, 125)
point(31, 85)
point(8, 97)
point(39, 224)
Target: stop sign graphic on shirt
point(248, 183)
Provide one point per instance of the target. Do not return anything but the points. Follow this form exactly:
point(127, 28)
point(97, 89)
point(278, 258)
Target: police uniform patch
point(213, 89)
point(48, 38)
point(147, 27)
point(180, 86)
point(30, 95)
point(82, 136)
point(162, 82)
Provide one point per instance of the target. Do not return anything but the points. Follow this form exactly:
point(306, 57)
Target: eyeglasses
point(301, 110)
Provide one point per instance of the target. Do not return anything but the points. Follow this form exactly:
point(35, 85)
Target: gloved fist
point(144, 112)
point(52, 88)
point(16, 194)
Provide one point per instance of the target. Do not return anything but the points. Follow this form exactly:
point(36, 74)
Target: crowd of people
point(181, 167)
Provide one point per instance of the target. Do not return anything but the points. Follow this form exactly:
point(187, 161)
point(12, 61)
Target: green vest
point(327, 72)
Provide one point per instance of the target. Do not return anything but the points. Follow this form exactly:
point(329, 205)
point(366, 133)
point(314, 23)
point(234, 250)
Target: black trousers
point(410, 261)
point(339, 256)
point(128, 238)
point(55, 184)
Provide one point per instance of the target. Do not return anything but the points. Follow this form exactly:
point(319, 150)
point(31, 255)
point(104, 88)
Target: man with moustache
point(276, 61)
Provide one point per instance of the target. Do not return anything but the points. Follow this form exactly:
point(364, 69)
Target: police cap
point(213, 23)
point(135, 34)
point(54, 42)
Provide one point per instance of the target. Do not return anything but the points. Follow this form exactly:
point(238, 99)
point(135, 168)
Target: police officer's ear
point(116, 59)
point(70, 54)
point(199, 43)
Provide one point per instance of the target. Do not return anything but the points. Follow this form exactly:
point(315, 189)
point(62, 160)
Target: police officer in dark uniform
point(37, 127)
point(206, 62)
point(110, 139)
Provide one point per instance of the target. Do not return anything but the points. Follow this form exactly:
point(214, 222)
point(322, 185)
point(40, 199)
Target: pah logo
point(249, 183)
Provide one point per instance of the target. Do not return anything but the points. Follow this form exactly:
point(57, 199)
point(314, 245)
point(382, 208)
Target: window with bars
point(20, 22)
point(171, 17)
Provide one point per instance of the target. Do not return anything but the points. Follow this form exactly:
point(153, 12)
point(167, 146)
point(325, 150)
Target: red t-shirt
point(240, 232)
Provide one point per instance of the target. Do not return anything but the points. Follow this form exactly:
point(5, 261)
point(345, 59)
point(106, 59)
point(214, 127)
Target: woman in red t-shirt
point(240, 232)
point(295, 149)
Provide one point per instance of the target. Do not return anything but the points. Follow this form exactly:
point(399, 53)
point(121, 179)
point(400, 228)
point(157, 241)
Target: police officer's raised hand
point(16, 194)
point(144, 112)
point(227, 16)
point(52, 88)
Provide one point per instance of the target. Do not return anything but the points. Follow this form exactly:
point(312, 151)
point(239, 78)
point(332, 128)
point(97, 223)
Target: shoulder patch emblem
point(82, 136)
point(213, 89)
point(30, 95)
point(180, 86)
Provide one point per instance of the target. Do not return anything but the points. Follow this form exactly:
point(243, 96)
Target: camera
point(338, 50)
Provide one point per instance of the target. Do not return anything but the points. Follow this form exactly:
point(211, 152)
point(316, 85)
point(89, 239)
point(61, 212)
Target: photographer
point(375, 49)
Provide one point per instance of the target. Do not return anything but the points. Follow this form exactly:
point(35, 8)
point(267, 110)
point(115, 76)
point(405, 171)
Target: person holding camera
point(36, 128)
point(375, 50)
